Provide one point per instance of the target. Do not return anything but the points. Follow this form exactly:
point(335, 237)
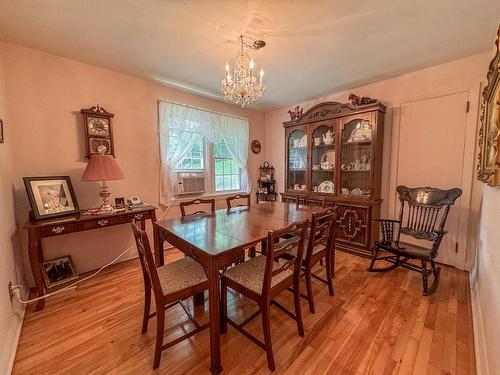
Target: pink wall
point(46, 94)
point(11, 269)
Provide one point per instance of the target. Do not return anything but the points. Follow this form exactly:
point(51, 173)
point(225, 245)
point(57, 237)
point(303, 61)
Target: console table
point(71, 224)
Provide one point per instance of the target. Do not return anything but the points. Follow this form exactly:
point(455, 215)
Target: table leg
point(158, 245)
point(214, 311)
point(35, 262)
point(199, 299)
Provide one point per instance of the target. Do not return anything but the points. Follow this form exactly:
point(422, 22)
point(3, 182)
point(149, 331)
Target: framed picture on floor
point(58, 271)
point(51, 197)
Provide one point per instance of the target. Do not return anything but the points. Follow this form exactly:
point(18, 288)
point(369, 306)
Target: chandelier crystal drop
point(242, 87)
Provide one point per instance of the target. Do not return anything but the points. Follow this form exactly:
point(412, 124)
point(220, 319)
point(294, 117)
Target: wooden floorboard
point(377, 323)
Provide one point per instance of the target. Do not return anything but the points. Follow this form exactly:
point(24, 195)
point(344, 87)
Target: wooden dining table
point(216, 240)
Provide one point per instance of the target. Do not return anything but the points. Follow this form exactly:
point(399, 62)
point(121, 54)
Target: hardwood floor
point(375, 324)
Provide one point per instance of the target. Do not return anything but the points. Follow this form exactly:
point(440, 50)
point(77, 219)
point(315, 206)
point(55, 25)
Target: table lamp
point(103, 168)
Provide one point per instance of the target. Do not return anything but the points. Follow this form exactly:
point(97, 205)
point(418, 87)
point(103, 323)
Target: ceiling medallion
point(242, 87)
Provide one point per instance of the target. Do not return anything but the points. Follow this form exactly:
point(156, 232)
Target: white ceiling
point(313, 48)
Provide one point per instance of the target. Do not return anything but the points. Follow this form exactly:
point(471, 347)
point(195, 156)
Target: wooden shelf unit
point(355, 156)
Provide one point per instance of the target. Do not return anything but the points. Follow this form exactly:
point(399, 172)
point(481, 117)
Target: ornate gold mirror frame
point(488, 168)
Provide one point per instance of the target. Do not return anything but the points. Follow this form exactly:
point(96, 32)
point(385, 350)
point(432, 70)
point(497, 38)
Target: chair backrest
point(284, 251)
point(201, 207)
point(238, 200)
point(424, 210)
point(148, 264)
point(298, 198)
point(322, 231)
point(316, 202)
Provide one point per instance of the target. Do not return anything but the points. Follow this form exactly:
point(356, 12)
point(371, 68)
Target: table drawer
point(57, 229)
point(102, 222)
point(139, 216)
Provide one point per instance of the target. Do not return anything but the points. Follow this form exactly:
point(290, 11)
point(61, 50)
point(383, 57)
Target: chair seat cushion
point(180, 274)
point(250, 274)
point(403, 248)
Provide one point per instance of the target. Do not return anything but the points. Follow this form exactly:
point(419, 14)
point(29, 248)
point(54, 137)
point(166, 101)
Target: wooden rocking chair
point(422, 215)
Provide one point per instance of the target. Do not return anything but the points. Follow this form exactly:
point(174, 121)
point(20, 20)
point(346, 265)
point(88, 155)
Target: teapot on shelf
point(328, 137)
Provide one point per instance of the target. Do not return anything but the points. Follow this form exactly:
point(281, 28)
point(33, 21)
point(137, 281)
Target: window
point(201, 148)
point(194, 160)
point(226, 170)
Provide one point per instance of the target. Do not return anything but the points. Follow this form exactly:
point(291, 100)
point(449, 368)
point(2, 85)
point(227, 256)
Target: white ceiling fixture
point(242, 86)
point(318, 47)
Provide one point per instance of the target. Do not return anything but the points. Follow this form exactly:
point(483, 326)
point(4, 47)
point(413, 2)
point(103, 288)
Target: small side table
point(71, 224)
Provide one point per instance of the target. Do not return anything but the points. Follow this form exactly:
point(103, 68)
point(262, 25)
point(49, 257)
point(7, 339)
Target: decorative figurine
point(296, 113)
point(360, 100)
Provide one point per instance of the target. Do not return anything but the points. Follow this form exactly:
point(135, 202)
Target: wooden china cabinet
point(334, 150)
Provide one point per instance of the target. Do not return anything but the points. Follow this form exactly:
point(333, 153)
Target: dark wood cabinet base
point(355, 230)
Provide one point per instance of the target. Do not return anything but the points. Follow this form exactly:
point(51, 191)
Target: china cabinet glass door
point(297, 160)
point(356, 159)
point(323, 155)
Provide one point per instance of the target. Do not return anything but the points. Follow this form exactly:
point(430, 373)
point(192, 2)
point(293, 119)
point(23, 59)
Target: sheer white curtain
point(181, 123)
point(187, 125)
point(235, 134)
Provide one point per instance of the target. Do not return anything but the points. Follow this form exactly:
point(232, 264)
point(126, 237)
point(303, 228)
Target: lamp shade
point(102, 168)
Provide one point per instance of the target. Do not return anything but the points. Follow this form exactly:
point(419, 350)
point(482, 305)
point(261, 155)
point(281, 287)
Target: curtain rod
point(202, 109)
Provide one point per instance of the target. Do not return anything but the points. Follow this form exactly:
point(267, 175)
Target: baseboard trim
point(17, 336)
point(480, 347)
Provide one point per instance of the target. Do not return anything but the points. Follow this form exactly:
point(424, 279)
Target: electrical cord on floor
point(73, 285)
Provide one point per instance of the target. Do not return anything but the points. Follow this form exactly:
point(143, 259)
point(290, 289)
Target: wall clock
point(98, 131)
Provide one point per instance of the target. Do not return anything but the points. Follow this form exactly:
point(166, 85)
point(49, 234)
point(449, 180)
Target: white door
point(431, 153)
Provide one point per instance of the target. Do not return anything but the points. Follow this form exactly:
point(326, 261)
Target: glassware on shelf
point(355, 176)
point(323, 155)
point(297, 159)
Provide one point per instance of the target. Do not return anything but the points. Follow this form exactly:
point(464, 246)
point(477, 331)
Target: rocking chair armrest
point(388, 220)
point(442, 231)
point(387, 229)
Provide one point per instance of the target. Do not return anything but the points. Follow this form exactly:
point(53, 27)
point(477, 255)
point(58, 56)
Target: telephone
point(134, 201)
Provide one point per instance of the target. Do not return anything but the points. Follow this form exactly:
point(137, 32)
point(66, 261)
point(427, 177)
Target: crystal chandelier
point(242, 87)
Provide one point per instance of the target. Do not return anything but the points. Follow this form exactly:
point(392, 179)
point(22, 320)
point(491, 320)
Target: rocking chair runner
point(422, 215)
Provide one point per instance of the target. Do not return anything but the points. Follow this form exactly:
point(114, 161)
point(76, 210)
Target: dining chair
point(265, 277)
point(422, 216)
point(171, 284)
point(315, 202)
point(319, 245)
point(238, 200)
point(298, 198)
point(201, 206)
point(241, 200)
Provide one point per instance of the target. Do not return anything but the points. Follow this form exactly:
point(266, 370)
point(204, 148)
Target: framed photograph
point(1, 131)
point(119, 203)
point(255, 146)
point(58, 271)
point(51, 197)
point(488, 168)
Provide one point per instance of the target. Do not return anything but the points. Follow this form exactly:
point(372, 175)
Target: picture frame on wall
point(51, 196)
point(1, 131)
point(488, 168)
point(58, 271)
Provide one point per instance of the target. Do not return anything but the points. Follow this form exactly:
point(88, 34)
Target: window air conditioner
point(190, 183)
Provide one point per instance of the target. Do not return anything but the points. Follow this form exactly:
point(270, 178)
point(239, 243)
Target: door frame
point(467, 229)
